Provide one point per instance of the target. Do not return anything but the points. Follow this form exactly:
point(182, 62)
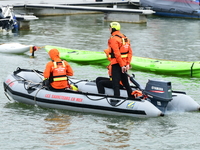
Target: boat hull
point(178, 15)
point(76, 101)
point(173, 8)
point(14, 48)
point(26, 86)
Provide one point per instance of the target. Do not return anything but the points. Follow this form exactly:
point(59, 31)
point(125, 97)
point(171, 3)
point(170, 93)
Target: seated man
point(56, 72)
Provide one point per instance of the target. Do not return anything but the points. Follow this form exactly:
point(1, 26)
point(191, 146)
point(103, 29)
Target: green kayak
point(159, 66)
point(168, 67)
point(80, 56)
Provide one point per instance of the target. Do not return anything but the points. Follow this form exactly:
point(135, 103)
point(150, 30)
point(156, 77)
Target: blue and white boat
point(173, 8)
point(8, 20)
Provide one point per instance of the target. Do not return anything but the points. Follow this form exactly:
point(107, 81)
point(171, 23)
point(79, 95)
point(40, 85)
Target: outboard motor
point(159, 92)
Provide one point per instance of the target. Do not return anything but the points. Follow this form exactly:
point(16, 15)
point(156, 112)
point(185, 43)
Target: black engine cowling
point(159, 92)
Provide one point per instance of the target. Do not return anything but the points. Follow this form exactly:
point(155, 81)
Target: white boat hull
point(26, 87)
point(14, 48)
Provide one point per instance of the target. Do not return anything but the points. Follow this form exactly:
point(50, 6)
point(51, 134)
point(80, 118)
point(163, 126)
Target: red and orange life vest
point(59, 71)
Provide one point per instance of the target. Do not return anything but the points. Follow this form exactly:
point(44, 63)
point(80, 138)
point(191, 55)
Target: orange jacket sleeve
point(47, 70)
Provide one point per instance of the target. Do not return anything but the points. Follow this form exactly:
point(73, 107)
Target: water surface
point(35, 128)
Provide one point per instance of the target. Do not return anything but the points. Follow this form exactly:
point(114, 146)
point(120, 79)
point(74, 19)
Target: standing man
point(120, 55)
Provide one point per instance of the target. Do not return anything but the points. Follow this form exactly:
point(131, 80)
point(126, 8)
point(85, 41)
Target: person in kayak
point(56, 72)
point(119, 54)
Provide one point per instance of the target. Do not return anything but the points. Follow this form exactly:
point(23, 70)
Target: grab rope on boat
point(98, 99)
point(36, 72)
point(103, 98)
point(77, 81)
point(31, 86)
point(37, 93)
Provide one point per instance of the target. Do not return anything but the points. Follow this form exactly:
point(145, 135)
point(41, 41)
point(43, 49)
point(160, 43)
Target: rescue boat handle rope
point(34, 84)
point(29, 82)
point(86, 94)
point(37, 74)
point(76, 82)
point(36, 94)
point(105, 97)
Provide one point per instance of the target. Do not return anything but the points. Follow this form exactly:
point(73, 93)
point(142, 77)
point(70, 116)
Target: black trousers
point(102, 82)
point(118, 76)
point(56, 90)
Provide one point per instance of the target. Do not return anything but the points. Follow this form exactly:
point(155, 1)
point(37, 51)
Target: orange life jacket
point(124, 47)
point(59, 72)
